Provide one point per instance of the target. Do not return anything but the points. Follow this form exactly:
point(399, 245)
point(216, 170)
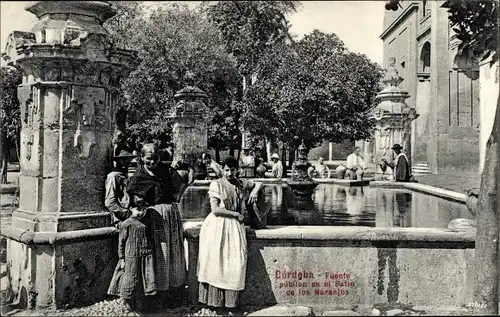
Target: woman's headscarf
point(155, 188)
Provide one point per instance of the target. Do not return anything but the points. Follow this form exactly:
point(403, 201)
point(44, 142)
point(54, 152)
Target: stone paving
point(115, 307)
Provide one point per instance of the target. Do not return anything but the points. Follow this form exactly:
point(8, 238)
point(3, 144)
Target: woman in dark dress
point(160, 187)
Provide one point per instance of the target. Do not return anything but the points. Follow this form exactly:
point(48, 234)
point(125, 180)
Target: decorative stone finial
point(190, 92)
point(57, 10)
point(392, 77)
point(189, 78)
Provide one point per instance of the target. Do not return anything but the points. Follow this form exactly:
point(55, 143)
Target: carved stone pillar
point(393, 121)
point(190, 131)
point(61, 249)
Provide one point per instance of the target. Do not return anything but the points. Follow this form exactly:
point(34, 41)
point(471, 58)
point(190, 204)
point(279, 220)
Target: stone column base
point(60, 269)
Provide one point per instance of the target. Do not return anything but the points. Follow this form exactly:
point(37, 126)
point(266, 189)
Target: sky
point(357, 23)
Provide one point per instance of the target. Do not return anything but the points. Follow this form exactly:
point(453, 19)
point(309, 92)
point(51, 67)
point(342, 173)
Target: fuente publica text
point(305, 283)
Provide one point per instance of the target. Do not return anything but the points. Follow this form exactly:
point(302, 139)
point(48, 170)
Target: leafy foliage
point(171, 40)
point(250, 27)
point(10, 115)
point(315, 90)
point(127, 19)
point(476, 25)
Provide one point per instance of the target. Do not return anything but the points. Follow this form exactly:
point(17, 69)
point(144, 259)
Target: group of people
point(356, 166)
point(151, 268)
point(151, 248)
point(250, 166)
point(253, 165)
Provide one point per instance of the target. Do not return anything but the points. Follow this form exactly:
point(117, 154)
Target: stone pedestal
point(190, 131)
point(393, 121)
point(61, 248)
point(301, 183)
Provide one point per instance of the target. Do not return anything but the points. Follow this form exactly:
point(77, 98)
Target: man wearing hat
point(400, 165)
point(116, 199)
point(167, 154)
point(277, 167)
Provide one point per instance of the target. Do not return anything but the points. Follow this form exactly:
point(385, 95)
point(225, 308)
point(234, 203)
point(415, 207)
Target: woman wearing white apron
point(222, 257)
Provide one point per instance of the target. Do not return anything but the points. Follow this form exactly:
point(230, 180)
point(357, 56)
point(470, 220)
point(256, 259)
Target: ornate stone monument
point(189, 117)
point(393, 121)
point(61, 248)
point(301, 183)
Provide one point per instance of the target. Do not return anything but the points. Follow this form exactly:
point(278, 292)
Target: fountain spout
point(301, 183)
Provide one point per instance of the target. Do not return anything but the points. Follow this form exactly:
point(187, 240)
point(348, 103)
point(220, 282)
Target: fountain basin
point(347, 266)
point(361, 261)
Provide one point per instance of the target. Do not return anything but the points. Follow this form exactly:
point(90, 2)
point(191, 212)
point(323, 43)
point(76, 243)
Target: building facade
point(443, 89)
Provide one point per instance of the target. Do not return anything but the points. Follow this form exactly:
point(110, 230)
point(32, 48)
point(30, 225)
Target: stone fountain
point(61, 245)
point(189, 118)
point(393, 120)
point(301, 183)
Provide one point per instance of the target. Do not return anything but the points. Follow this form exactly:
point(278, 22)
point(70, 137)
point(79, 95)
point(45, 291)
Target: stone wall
point(363, 266)
point(81, 271)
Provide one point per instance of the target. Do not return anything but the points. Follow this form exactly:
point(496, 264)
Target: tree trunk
point(4, 162)
point(4, 155)
point(291, 157)
point(217, 152)
point(283, 159)
point(487, 261)
point(121, 119)
point(268, 149)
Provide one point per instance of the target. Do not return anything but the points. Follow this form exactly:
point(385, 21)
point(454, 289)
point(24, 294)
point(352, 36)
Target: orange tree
point(314, 90)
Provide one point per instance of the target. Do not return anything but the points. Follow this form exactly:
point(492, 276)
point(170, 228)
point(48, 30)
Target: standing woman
point(222, 257)
point(159, 187)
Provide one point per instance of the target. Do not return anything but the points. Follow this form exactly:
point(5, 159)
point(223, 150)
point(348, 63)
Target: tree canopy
point(476, 25)
point(314, 90)
point(248, 28)
point(172, 40)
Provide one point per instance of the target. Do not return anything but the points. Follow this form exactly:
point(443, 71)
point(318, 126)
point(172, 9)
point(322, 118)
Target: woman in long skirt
point(222, 257)
point(160, 187)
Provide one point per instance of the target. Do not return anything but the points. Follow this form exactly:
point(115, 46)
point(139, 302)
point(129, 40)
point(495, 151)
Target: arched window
point(425, 58)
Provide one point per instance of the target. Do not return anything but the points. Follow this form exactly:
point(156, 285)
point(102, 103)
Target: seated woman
point(159, 188)
point(222, 257)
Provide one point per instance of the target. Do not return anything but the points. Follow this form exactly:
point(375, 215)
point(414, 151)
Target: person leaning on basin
point(222, 253)
point(167, 154)
point(116, 197)
point(247, 164)
point(276, 166)
point(355, 165)
point(157, 188)
point(216, 168)
point(400, 165)
point(321, 170)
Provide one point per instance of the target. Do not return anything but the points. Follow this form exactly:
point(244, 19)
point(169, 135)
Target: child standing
point(136, 259)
